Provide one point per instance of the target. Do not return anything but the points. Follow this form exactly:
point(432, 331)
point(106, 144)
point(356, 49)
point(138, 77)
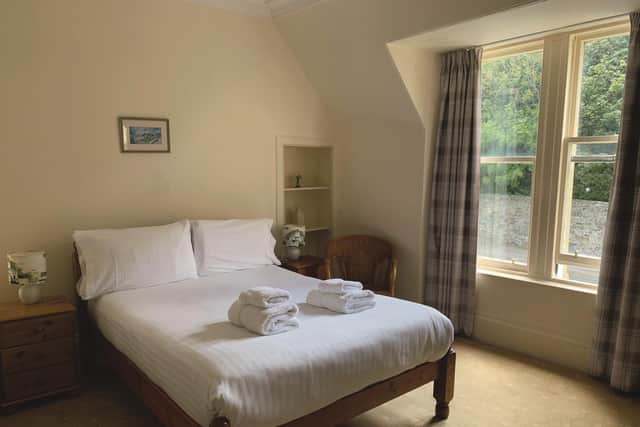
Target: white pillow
point(116, 259)
point(233, 244)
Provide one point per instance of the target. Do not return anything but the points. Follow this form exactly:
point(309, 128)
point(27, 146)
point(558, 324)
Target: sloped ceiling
point(342, 45)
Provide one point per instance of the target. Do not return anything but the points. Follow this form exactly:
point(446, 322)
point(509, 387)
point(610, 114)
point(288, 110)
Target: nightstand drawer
point(30, 331)
point(44, 380)
point(29, 357)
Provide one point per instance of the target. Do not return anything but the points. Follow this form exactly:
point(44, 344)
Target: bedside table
point(306, 265)
point(38, 350)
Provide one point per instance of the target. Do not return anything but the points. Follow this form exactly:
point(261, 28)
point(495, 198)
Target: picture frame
point(144, 135)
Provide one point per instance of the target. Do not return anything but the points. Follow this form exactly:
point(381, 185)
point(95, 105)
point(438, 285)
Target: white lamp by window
point(29, 271)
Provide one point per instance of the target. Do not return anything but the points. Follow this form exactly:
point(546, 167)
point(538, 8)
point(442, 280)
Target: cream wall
point(379, 170)
point(228, 83)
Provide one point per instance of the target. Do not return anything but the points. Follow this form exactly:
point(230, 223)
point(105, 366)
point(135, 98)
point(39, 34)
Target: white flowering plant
point(293, 236)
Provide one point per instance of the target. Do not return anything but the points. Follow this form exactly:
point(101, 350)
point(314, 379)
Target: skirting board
point(552, 348)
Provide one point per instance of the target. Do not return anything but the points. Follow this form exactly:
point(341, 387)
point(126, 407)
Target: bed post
point(220, 422)
point(443, 385)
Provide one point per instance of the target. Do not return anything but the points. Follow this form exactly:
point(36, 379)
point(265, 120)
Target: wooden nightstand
point(306, 265)
point(38, 350)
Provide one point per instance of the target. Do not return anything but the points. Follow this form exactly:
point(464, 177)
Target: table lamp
point(29, 271)
point(293, 239)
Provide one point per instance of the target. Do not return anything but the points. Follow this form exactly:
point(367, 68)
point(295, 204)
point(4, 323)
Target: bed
point(172, 344)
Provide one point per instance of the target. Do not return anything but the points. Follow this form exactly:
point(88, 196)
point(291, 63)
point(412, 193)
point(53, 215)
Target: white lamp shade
point(27, 268)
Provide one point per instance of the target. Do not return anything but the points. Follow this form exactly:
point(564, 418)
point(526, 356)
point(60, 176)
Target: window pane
point(505, 206)
point(578, 274)
point(589, 204)
point(510, 105)
point(601, 89)
point(596, 149)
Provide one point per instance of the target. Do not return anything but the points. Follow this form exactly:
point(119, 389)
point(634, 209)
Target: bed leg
point(443, 386)
point(220, 422)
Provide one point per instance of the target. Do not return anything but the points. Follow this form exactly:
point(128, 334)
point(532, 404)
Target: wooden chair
point(365, 259)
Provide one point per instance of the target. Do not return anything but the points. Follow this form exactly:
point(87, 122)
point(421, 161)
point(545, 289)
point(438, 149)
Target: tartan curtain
point(616, 350)
point(450, 276)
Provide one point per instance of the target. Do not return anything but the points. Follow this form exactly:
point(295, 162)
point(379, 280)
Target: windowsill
point(574, 287)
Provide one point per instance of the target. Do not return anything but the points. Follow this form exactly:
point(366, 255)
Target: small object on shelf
point(300, 216)
point(298, 180)
point(307, 265)
point(28, 270)
point(293, 239)
point(38, 350)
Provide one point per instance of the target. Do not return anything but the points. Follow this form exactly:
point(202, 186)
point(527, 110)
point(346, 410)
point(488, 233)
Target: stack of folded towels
point(342, 296)
point(265, 311)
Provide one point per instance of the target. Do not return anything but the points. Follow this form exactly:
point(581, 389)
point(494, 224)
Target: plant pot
point(293, 253)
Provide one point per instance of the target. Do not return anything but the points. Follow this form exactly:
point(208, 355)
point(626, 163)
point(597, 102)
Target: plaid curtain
point(616, 351)
point(452, 228)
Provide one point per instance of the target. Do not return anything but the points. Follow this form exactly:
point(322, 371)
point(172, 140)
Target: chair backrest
point(365, 259)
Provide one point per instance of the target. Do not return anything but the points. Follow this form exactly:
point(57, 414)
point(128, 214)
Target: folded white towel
point(264, 321)
point(346, 302)
point(264, 296)
point(338, 286)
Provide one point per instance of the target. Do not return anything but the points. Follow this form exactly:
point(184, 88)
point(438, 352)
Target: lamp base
point(293, 253)
point(29, 294)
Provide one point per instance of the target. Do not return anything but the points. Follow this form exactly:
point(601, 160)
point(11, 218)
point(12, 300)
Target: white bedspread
point(179, 335)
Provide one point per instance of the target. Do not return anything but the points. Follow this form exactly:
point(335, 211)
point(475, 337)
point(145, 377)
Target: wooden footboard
point(171, 415)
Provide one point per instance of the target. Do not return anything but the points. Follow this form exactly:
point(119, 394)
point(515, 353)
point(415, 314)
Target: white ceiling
point(260, 7)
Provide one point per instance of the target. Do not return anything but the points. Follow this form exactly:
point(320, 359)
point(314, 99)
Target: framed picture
point(144, 135)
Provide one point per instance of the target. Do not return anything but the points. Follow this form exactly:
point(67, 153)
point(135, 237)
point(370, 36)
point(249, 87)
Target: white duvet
point(179, 335)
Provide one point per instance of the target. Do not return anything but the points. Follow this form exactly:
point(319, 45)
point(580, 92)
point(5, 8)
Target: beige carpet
point(493, 388)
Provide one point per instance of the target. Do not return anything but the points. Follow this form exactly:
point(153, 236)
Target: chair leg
point(443, 385)
point(220, 422)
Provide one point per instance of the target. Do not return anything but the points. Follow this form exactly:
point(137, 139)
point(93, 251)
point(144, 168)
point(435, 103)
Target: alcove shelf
point(312, 159)
point(306, 188)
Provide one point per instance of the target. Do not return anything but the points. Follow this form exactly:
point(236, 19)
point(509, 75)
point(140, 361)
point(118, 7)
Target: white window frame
point(555, 150)
point(571, 142)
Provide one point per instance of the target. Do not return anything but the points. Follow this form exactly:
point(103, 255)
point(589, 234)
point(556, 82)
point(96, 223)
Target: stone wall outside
point(505, 219)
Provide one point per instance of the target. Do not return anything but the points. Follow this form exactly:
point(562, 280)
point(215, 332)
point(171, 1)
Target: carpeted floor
point(493, 388)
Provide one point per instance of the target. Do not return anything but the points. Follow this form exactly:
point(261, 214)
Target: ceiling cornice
point(284, 7)
point(271, 8)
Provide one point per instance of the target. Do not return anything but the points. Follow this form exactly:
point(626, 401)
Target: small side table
point(38, 351)
point(307, 265)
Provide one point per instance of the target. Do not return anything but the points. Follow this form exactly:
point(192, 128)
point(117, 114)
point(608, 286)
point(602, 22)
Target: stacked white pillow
point(117, 259)
point(113, 260)
point(233, 244)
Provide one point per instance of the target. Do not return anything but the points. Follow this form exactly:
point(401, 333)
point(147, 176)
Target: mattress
point(179, 336)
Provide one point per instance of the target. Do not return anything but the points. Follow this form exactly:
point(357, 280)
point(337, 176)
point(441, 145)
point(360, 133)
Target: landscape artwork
point(144, 135)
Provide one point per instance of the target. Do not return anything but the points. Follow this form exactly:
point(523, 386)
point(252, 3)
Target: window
point(550, 119)
point(510, 107)
point(593, 123)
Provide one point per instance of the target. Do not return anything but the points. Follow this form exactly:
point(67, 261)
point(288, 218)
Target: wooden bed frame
point(98, 349)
